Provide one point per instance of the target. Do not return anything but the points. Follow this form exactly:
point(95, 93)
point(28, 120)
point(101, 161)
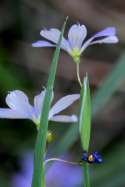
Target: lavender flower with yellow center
point(20, 108)
point(76, 44)
point(94, 157)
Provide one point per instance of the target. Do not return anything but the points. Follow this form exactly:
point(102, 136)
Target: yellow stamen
point(90, 158)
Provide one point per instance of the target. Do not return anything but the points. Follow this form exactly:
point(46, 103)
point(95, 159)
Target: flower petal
point(107, 40)
point(11, 114)
point(19, 102)
point(64, 118)
point(42, 44)
point(63, 103)
point(109, 31)
point(108, 35)
point(76, 35)
point(53, 35)
point(38, 102)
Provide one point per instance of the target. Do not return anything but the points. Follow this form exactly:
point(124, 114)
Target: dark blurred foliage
point(26, 68)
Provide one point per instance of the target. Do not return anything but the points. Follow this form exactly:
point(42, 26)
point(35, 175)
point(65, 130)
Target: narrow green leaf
point(38, 173)
point(85, 115)
point(109, 85)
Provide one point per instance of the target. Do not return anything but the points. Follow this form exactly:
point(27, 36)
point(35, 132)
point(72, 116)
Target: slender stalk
point(86, 175)
point(78, 76)
point(60, 160)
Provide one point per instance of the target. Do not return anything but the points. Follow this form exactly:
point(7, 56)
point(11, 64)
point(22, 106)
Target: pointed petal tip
point(65, 118)
point(51, 34)
point(42, 44)
point(115, 39)
point(42, 31)
point(107, 40)
point(74, 118)
point(109, 31)
point(35, 44)
point(76, 35)
point(7, 113)
point(63, 103)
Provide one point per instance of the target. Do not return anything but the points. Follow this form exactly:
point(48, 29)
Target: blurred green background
point(26, 68)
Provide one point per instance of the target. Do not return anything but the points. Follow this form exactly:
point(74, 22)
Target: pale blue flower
point(58, 175)
point(76, 44)
point(20, 108)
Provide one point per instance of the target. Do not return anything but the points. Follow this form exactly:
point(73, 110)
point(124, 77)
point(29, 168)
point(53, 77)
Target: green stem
point(38, 179)
point(78, 76)
point(86, 175)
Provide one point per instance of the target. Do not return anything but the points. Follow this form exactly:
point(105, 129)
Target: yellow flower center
point(75, 54)
point(90, 158)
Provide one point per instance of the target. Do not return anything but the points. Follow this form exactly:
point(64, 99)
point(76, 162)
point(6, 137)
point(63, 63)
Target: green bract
point(85, 115)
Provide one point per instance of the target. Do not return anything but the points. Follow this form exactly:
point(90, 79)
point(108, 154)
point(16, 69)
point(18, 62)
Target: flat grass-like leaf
point(109, 85)
point(38, 173)
point(85, 115)
point(85, 125)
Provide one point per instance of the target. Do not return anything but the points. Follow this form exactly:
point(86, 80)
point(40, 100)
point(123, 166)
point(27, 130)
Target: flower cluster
point(18, 103)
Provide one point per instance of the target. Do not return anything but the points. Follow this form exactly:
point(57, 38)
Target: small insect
point(94, 157)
